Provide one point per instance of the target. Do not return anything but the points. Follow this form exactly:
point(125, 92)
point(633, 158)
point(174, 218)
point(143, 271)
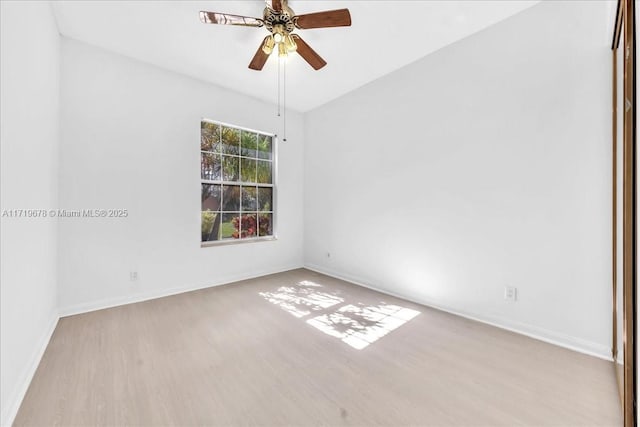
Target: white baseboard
point(572, 343)
point(145, 296)
point(13, 402)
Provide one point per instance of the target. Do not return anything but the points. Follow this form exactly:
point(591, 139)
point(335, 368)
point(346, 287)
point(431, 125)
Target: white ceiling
point(384, 36)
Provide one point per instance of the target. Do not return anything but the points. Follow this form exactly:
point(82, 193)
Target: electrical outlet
point(133, 276)
point(510, 293)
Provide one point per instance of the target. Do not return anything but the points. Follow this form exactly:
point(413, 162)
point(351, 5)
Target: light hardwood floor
point(300, 348)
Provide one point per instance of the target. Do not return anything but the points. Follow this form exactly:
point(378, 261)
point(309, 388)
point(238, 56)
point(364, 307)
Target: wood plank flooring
point(299, 348)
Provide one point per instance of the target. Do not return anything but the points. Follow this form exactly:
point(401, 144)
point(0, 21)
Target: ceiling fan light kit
point(280, 20)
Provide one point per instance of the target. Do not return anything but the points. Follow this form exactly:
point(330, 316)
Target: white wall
point(130, 140)
point(29, 135)
point(482, 165)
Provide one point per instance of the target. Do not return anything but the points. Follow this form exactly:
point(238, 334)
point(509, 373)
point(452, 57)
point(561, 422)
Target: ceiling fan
point(281, 21)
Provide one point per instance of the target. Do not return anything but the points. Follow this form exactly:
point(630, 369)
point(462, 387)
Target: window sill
point(237, 241)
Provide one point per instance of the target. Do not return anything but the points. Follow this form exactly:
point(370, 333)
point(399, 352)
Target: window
point(236, 170)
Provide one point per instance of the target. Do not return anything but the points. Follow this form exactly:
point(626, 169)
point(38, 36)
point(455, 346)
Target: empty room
point(318, 213)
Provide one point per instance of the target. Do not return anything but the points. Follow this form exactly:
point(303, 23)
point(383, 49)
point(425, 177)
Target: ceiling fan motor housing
point(283, 17)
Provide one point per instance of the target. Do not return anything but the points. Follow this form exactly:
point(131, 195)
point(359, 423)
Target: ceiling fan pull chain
point(284, 101)
point(279, 86)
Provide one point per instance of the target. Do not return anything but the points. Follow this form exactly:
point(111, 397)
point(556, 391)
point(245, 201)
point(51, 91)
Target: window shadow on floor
point(354, 323)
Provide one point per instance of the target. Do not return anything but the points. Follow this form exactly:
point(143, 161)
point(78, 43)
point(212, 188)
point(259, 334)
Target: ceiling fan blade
point(259, 58)
point(226, 19)
point(308, 54)
point(275, 4)
point(330, 18)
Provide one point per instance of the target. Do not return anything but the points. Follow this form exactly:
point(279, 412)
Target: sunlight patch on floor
point(301, 300)
point(357, 325)
point(361, 326)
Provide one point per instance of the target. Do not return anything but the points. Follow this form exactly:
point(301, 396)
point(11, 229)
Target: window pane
point(231, 198)
point(209, 137)
point(210, 166)
point(249, 199)
point(264, 172)
point(230, 225)
point(265, 199)
point(230, 168)
point(265, 227)
point(248, 170)
point(265, 147)
point(210, 197)
point(249, 225)
point(230, 140)
point(210, 226)
point(248, 143)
